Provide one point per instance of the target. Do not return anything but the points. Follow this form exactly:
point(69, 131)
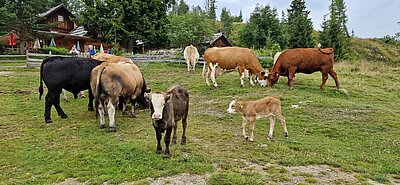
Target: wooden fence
point(35, 59)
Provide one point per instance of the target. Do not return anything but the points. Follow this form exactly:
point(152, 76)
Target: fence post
point(27, 58)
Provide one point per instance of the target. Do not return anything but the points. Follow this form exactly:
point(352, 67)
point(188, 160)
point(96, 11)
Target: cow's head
point(272, 78)
point(157, 102)
point(261, 78)
point(234, 106)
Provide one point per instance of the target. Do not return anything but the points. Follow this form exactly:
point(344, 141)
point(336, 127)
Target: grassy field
point(358, 133)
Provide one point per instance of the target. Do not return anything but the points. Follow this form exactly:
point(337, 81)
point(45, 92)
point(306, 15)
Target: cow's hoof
point(183, 142)
point(112, 129)
point(133, 115)
point(90, 109)
point(159, 151)
point(174, 142)
point(166, 156)
point(102, 126)
point(251, 140)
point(64, 116)
point(246, 137)
point(48, 121)
point(286, 135)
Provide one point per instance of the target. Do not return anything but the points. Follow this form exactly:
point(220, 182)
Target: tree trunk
point(22, 46)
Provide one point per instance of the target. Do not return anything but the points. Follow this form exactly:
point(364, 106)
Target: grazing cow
point(303, 60)
point(243, 60)
point(69, 73)
point(167, 108)
point(104, 57)
point(191, 56)
point(269, 106)
point(109, 82)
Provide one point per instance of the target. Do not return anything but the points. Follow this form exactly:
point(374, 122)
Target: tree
point(334, 30)
point(299, 26)
point(211, 9)
point(238, 18)
point(183, 8)
point(263, 29)
point(22, 18)
point(226, 21)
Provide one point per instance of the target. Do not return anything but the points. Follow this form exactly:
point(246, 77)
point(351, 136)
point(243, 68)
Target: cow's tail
point(98, 83)
point(41, 77)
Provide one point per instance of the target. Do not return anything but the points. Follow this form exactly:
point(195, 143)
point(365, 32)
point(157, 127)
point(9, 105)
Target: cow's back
point(70, 73)
point(232, 57)
point(306, 60)
point(180, 101)
point(121, 79)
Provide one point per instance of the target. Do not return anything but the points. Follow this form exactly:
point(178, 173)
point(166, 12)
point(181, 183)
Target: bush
point(266, 62)
point(54, 50)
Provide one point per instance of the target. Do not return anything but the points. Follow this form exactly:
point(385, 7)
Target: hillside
point(386, 50)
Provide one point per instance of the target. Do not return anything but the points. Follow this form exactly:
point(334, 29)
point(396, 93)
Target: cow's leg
point(174, 137)
point(158, 136)
point(242, 76)
point(334, 76)
point(252, 121)
point(91, 98)
point(49, 101)
point(271, 126)
point(133, 113)
point(250, 77)
point(167, 139)
point(59, 110)
point(64, 95)
point(291, 75)
point(208, 74)
point(324, 78)
point(213, 72)
point(244, 127)
point(112, 103)
point(184, 124)
point(100, 111)
point(188, 65)
point(194, 65)
point(283, 123)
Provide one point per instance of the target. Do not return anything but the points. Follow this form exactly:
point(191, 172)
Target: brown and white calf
point(243, 60)
point(191, 56)
point(250, 111)
point(111, 81)
point(167, 108)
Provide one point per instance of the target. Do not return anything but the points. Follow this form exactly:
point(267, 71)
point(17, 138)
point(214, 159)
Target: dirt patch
point(6, 73)
point(182, 179)
point(71, 181)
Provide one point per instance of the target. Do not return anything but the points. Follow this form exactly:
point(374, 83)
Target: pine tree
point(183, 8)
point(334, 30)
point(226, 21)
point(211, 9)
point(299, 26)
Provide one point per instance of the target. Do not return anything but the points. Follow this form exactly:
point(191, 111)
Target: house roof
point(62, 34)
point(54, 9)
point(217, 36)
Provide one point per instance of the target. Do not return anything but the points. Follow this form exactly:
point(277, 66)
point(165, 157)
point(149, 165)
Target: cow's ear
point(147, 96)
point(167, 97)
point(263, 73)
point(148, 90)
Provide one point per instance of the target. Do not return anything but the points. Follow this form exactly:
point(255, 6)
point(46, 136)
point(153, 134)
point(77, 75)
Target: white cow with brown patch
point(191, 56)
point(250, 111)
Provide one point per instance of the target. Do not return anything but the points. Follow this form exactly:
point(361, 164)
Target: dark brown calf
point(167, 108)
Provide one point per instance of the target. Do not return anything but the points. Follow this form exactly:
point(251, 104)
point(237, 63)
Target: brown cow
point(104, 57)
point(243, 60)
point(303, 60)
point(269, 106)
point(167, 108)
point(109, 82)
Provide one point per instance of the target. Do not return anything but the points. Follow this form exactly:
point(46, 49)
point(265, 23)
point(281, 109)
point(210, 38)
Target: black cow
point(69, 73)
point(167, 108)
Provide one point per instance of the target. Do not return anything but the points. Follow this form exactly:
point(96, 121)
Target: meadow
point(356, 133)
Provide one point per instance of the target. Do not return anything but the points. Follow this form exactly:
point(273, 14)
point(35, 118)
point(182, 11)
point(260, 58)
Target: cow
point(69, 73)
point(269, 106)
point(191, 56)
point(64, 95)
point(167, 108)
point(303, 60)
point(243, 60)
point(104, 57)
point(109, 82)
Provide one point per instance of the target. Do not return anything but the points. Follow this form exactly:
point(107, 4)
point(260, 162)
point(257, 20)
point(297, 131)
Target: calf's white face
point(231, 108)
point(262, 79)
point(158, 102)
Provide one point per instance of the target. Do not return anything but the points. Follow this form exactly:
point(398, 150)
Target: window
point(60, 18)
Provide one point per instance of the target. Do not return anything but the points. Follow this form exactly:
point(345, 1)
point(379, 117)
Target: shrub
point(54, 50)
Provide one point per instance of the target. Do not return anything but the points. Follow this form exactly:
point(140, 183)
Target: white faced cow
point(167, 108)
point(269, 106)
point(191, 56)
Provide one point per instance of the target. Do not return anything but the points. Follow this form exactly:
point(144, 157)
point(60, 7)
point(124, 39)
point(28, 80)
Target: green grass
point(358, 133)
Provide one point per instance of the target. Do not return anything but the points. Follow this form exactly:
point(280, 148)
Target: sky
point(368, 18)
